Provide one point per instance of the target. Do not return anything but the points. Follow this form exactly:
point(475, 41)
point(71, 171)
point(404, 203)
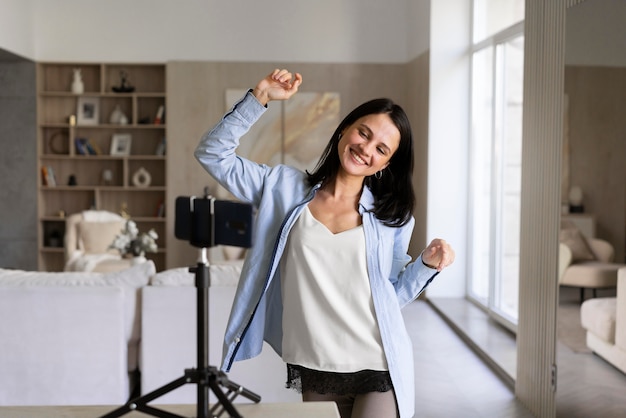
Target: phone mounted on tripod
point(207, 222)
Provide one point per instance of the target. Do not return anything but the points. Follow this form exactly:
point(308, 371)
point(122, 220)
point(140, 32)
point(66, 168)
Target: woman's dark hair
point(394, 198)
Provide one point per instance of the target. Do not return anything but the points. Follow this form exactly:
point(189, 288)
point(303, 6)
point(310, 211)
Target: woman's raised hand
point(279, 85)
point(439, 254)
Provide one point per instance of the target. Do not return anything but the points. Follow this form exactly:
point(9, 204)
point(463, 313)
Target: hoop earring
point(378, 174)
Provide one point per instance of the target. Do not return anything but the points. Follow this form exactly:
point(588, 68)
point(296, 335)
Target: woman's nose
point(367, 148)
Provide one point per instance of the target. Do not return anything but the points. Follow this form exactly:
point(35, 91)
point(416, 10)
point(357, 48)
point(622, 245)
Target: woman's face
point(367, 145)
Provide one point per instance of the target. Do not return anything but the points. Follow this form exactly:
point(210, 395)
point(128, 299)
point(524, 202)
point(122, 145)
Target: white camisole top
point(329, 322)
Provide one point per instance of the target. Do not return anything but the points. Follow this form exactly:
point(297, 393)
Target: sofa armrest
point(620, 310)
point(603, 250)
point(565, 259)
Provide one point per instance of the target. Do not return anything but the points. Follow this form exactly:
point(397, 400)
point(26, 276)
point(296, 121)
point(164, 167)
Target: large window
point(495, 159)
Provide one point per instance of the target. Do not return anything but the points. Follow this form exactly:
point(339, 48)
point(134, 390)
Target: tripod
point(204, 376)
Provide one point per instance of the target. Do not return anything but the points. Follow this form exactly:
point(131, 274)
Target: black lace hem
point(302, 379)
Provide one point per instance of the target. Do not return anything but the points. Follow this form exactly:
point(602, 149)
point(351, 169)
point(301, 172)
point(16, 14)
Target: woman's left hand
point(439, 254)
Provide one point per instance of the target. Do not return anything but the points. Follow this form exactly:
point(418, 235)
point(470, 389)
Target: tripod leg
point(223, 400)
point(139, 404)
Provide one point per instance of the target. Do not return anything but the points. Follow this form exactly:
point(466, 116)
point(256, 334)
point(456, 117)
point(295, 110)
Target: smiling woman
point(341, 255)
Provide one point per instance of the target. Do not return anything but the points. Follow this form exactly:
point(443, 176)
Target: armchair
point(586, 263)
point(88, 235)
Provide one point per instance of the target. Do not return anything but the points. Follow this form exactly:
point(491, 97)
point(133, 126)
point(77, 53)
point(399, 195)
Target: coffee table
point(247, 410)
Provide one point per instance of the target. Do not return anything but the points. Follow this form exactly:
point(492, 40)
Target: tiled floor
point(452, 380)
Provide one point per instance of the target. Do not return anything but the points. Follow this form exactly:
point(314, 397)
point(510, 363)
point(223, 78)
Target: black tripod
point(204, 376)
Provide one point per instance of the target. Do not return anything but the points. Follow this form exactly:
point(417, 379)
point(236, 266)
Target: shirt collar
point(366, 203)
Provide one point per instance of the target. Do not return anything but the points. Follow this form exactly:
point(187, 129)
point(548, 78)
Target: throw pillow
point(226, 273)
point(96, 237)
point(571, 236)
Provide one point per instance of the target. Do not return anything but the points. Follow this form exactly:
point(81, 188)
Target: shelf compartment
point(155, 168)
point(145, 78)
point(66, 200)
point(57, 109)
point(53, 234)
point(147, 108)
point(56, 140)
point(87, 171)
point(138, 202)
point(55, 77)
point(108, 104)
point(144, 141)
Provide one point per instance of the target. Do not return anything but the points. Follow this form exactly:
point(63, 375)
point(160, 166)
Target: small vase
point(117, 116)
point(139, 259)
point(77, 83)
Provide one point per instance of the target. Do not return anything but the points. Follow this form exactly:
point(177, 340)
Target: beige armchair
point(88, 235)
point(586, 263)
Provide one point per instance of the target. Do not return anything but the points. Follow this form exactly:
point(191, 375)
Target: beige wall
point(195, 101)
point(597, 144)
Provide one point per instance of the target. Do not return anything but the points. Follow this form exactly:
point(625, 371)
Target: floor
point(455, 376)
point(451, 379)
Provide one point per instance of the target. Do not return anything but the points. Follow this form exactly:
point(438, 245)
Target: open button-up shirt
point(279, 194)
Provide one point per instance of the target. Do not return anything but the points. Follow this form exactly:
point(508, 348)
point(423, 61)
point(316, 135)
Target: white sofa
point(69, 338)
point(169, 337)
point(605, 322)
point(79, 338)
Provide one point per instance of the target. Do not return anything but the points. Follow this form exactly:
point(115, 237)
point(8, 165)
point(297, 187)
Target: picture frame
point(120, 144)
point(88, 111)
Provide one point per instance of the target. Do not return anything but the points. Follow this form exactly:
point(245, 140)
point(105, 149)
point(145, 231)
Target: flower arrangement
point(131, 242)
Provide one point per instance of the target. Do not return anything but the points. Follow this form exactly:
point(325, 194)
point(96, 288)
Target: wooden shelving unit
point(81, 182)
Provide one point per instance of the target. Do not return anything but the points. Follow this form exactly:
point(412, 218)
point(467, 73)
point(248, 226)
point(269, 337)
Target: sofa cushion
point(571, 236)
point(130, 281)
point(97, 237)
point(591, 274)
point(226, 273)
point(598, 317)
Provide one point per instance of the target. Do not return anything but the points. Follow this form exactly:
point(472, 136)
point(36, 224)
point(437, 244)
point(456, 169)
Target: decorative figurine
point(107, 177)
point(124, 87)
point(142, 178)
point(124, 211)
point(118, 117)
point(77, 83)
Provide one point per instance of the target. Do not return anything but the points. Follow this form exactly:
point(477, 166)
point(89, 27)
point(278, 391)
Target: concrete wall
point(18, 164)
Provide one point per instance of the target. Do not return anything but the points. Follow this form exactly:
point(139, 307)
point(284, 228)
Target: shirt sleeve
point(216, 152)
point(412, 278)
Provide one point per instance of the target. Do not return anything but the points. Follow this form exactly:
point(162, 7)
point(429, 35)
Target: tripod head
point(207, 222)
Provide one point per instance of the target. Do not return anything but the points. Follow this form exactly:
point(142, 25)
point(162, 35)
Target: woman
point(329, 271)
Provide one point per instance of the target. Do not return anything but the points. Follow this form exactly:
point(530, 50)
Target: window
point(495, 157)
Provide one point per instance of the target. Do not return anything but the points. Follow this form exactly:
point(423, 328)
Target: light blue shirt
point(279, 194)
